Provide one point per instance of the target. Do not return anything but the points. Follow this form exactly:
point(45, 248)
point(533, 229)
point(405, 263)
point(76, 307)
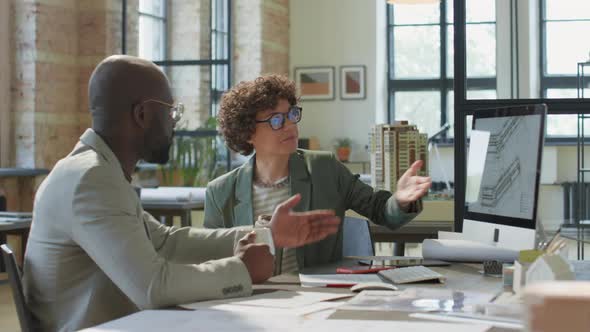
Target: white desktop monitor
point(505, 211)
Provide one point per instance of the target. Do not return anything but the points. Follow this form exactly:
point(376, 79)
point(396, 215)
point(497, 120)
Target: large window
point(152, 29)
point(190, 40)
point(420, 48)
point(565, 25)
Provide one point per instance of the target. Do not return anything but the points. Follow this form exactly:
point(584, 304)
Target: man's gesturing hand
point(256, 257)
point(294, 229)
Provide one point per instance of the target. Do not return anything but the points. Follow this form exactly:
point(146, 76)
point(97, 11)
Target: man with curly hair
point(262, 116)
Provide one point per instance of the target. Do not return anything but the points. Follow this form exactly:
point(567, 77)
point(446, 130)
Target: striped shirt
point(265, 199)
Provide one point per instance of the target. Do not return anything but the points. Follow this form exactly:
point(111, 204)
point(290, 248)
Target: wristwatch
point(263, 220)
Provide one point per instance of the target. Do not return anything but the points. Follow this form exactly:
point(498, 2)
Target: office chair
point(356, 237)
point(2, 203)
point(14, 276)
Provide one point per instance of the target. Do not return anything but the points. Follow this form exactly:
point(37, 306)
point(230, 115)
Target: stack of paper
point(336, 280)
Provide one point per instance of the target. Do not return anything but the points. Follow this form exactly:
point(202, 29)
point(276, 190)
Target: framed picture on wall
point(352, 82)
point(315, 83)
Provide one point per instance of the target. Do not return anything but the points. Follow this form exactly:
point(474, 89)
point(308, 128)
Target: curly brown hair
point(239, 105)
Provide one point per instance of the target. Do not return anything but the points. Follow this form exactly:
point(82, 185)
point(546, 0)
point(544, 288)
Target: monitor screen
point(510, 158)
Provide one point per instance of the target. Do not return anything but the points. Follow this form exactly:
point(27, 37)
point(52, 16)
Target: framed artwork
point(315, 83)
point(352, 82)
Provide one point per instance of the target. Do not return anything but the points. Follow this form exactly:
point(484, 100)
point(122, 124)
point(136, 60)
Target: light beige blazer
point(94, 255)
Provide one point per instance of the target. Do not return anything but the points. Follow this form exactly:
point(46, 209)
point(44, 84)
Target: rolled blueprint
point(465, 251)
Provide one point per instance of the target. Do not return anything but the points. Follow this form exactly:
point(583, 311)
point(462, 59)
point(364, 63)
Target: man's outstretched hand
point(294, 229)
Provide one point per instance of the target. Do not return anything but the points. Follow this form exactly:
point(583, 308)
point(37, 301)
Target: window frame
point(214, 64)
point(465, 107)
point(164, 29)
point(549, 81)
point(444, 84)
point(215, 91)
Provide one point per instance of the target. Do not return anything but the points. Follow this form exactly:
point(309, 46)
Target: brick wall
point(275, 36)
point(247, 47)
point(261, 38)
point(53, 47)
point(56, 44)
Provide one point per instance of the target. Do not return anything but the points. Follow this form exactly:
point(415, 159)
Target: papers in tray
point(174, 194)
point(336, 280)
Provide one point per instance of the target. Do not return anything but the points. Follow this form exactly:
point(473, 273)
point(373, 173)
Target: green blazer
point(323, 182)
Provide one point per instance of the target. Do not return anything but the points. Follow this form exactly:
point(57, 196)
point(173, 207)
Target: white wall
point(336, 33)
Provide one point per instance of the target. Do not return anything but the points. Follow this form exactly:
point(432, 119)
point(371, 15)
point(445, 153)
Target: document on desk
point(277, 299)
point(336, 280)
point(418, 300)
point(349, 325)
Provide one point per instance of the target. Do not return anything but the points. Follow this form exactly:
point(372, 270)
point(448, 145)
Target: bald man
point(94, 255)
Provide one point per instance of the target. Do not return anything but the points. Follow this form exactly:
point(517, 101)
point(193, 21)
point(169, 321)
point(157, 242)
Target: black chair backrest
point(2, 203)
point(14, 276)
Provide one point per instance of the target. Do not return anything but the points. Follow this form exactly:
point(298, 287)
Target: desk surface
point(459, 276)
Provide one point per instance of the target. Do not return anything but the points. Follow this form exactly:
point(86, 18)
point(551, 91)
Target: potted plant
point(193, 159)
point(343, 148)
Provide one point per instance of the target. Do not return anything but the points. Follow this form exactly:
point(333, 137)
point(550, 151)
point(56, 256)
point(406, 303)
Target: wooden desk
point(20, 228)
point(19, 186)
point(165, 211)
